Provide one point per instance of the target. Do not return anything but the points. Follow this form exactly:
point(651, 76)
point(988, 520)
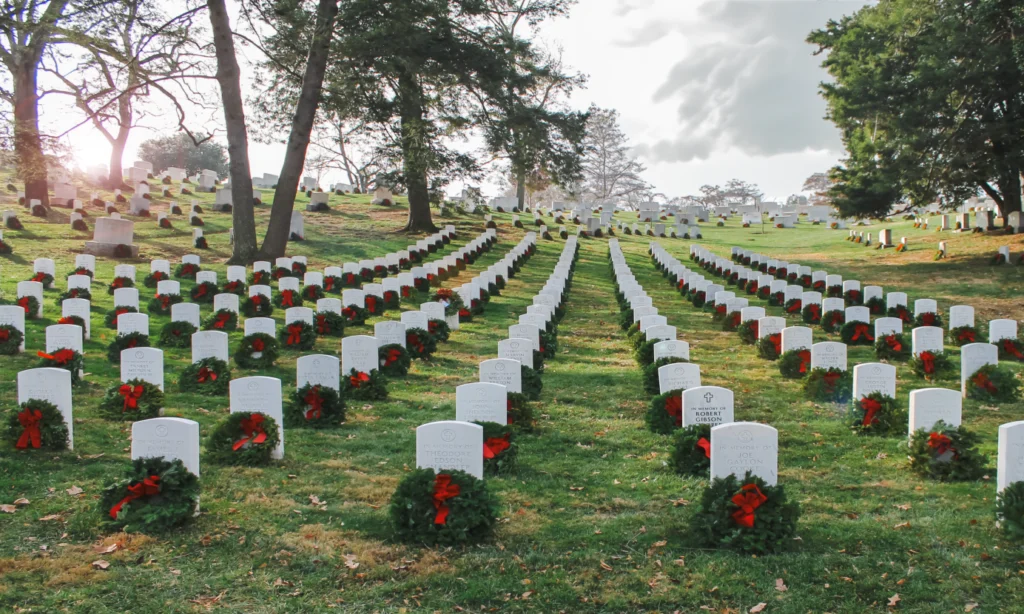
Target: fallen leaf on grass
point(606, 566)
point(280, 582)
point(74, 491)
point(970, 607)
point(893, 600)
point(21, 501)
point(758, 608)
point(780, 585)
point(902, 525)
point(100, 564)
point(101, 549)
point(7, 508)
point(50, 517)
point(904, 506)
point(350, 561)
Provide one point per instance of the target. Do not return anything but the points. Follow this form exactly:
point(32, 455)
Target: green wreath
point(370, 386)
point(329, 324)
point(691, 450)
point(811, 313)
point(256, 351)
point(1010, 349)
point(246, 439)
point(532, 383)
point(834, 292)
point(795, 364)
point(73, 293)
point(259, 278)
point(186, 270)
point(281, 272)
point(853, 298)
point(392, 299)
point(795, 307)
point(644, 353)
point(990, 384)
point(125, 341)
point(769, 347)
point(876, 306)
point(857, 333)
point(287, 298)
point(927, 319)
point(312, 293)
point(177, 334)
point(298, 269)
point(66, 359)
point(203, 293)
point(930, 365)
point(110, 320)
point(892, 348)
point(73, 320)
point(731, 322)
point(156, 496)
point(833, 321)
point(37, 425)
point(315, 407)
point(333, 284)
point(748, 332)
point(120, 282)
point(257, 306)
point(626, 319)
point(665, 412)
point(354, 315)
point(298, 335)
point(439, 329)
point(962, 335)
point(31, 306)
point(420, 344)
point(394, 360)
point(1010, 510)
point(10, 340)
point(209, 376)
point(501, 452)
point(237, 287)
point(721, 522)
point(520, 412)
point(877, 414)
point(946, 453)
point(222, 320)
point(698, 298)
point(133, 400)
point(161, 304)
point(828, 385)
point(776, 299)
point(652, 384)
point(549, 342)
point(635, 338)
point(5, 248)
point(153, 279)
point(452, 301)
point(423, 510)
point(901, 312)
point(44, 278)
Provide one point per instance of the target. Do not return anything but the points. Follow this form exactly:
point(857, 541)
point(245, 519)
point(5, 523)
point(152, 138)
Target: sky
point(706, 90)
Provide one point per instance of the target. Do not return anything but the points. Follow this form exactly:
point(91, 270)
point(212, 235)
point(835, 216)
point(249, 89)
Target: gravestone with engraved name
point(739, 447)
point(52, 385)
point(318, 370)
point(146, 364)
point(451, 445)
point(263, 395)
point(930, 405)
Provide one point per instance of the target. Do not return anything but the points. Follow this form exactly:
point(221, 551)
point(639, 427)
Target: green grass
point(593, 521)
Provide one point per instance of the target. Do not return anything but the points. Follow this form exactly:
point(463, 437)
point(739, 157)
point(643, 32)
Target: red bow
point(795, 307)
point(201, 290)
point(748, 499)
point(393, 355)
point(871, 407)
point(321, 325)
point(982, 381)
point(805, 360)
point(131, 395)
point(862, 329)
point(928, 318)
point(406, 292)
point(929, 362)
point(903, 314)
point(64, 320)
point(940, 443)
point(29, 419)
point(465, 313)
point(294, 334)
point(720, 309)
point(40, 277)
point(674, 407)
point(358, 379)
point(118, 283)
point(735, 319)
point(414, 340)
point(371, 303)
point(350, 278)
point(158, 276)
point(1011, 348)
point(854, 295)
point(495, 446)
point(257, 277)
point(288, 298)
point(831, 379)
point(188, 269)
point(329, 284)
point(4, 335)
point(257, 302)
point(222, 320)
point(893, 343)
point(966, 336)
point(815, 311)
point(165, 301)
point(443, 490)
point(257, 345)
point(349, 313)
point(705, 445)
point(61, 357)
point(776, 340)
point(252, 429)
point(148, 487)
point(23, 303)
point(205, 374)
point(316, 404)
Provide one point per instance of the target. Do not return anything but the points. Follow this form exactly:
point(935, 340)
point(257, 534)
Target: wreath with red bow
point(652, 385)
point(439, 329)
point(853, 298)
point(280, 272)
point(752, 287)
point(298, 268)
point(82, 293)
point(257, 306)
point(223, 320)
point(287, 298)
point(362, 386)
point(208, 376)
point(366, 274)
point(962, 335)
point(133, 400)
point(1010, 349)
point(237, 287)
point(665, 412)
point(355, 315)
point(177, 334)
point(746, 515)
point(186, 270)
point(10, 340)
point(420, 344)
point(828, 385)
point(246, 439)
point(748, 332)
point(312, 293)
point(769, 347)
point(156, 495)
point(161, 304)
point(500, 449)
point(259, 278)
point(930, 365)
point(120, 282)
point(835, 291)
point(990, 384)
point(928, 318)
point(329, 324)
point(442, 509)
point(946, 453)
point(73, 320)
point(333, 284)
point(731, 322)
point(697, 298)
point(811, 313)
point(857, 333)
point(37, 425)
point(422, 284)
point(392, 299)
point(794, 307)
point(66, 359)
point(877, 414)
point(13, 223)
point(125, 341)
point(795, 364)
point(833, 321)
point(151, 280)
point(203, 293)
point(374, 305)
point(691, 450)
point(256, 351)
point(316, 407)
point(44, 278)
point(644, 352)
point(452, 301)
point(892, 348)
point(350, 280)
point(5, 247)
point(876, 306)
point(298, 335)
point(394, 360)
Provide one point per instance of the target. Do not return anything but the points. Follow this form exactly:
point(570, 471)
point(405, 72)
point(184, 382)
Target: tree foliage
point(610, 170)
point(179, 150)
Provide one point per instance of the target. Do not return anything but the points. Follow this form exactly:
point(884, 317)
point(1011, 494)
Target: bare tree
point(354, 147)
point(818, 185)
point(610, 171)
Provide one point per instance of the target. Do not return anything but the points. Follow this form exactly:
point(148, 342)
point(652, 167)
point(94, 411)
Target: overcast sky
point(706, 90)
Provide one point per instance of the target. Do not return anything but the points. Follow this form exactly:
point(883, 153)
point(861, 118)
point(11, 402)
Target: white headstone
point(671, 348)
point(517, 349)
point(828, 355)
point(1010, 463)
point(186, 312)
point(318, 370)
point(358, 353)
point(928, 339)
point(707, 405)
point(171, 438)
point(209, 344)
point(128, 323)
point(146, 364)
point(974, 356)
point(930, 405)
point(263, 395)
point(678, 376)
point(797, 338)
point(451, 445)
point(78, 307)
point(64, 336)
point(1001, 329)
point(481, 402)
point(502, 371)
point(961, 315)
point(874, 377)
point(739, 447)
point(13, 315)
point(52, 385)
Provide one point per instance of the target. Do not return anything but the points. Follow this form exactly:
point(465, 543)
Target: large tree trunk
point(242, 208)
point(521, 189)
point(415, 154)
point(115, 179)
point(28, 147)
point(1009, 188)
point(276, 240)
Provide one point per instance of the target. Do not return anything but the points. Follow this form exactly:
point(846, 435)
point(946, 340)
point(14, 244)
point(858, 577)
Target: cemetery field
point(593, 520)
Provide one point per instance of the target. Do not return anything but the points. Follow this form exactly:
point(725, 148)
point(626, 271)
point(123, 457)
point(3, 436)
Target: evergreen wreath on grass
point(442, 509)
point(745, 515)
point(731, 322)
point(66, 359)
point(13, 223)
point(362, 386)
point(125, 341)
point(644, 353)
point(795, 364)
point(44, 278)
point(177, 334)
point(156, 496)
point(209, 376)
point(298, 268)
point(280, 272)
point(946, 453)
point(962, 335)
point(532, 383)
point(698, 298)
point(876, 306)
point(314, 406)
point(520, 412)
point(287, 298)
point(665, 412)
point(259, 278)
point(927, 318)
point(329, 324)
point(833, 321)
point(312, 293)
point(257, 306)
point(73, 320)
point(186, 270)
point(374, 305)
point(834, 292)
point(37, 425)
point(256, 351)
point(901, 312)
point(811, 313)
point(857, 333)
point(10, 340)
point(930, 365)
point(246, 439)
point(892, 348)
point(776, 299)
point(354, 315)
point(333, 284)
point(222, 320)
point(161, 304)
point(877, 414)
point(1010, 349)
point(73, 293)
point(420, 344)
point(853, 298)
point(990, 384)
point(691, 451)
point(828, 385)
point(133, 400)
point(439, 329)
point(794, 306)
point(5, 248)
point(626, 319)
point(298, 335)
point(769, 347)
point(748, 332)
point(151, 280)
point(203, 293)
point(764, 293)
point(392, 299)
point(1010, 510)
point(31, 306)
point(394, 361)
point(120, 282)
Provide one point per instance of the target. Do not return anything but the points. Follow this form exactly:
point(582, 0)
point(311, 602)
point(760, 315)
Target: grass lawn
point(593, 521)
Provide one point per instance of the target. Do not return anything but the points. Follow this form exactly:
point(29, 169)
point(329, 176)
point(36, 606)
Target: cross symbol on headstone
point(708, 397)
